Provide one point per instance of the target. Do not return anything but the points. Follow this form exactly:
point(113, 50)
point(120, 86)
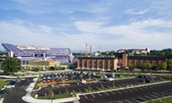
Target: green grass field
point(3, 83)
point(66, 63)
point(165, 100)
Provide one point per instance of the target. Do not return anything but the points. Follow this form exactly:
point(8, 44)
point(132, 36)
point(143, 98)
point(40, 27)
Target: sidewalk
point(1, 101)
point(29, 99)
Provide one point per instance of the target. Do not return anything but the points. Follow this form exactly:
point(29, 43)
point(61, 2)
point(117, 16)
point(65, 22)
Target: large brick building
point(111, 63)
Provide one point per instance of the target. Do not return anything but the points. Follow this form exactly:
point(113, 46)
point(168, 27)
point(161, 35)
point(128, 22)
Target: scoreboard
point(39, 55)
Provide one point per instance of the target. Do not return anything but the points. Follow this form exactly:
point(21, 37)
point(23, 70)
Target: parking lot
point(129, 95)
point(94, 86)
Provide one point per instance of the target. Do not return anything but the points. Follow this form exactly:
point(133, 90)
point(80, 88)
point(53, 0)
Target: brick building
point(111, 63)
point(97, 63)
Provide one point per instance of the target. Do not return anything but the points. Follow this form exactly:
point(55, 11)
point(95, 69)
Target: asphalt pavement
point(15, 95)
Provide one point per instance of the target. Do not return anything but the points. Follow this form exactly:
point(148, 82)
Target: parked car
point(111, 75)
point(9, 86)
point(119, 75)
point(4, 91)
point(147, 80)
point(109, 79)
point(142, 76)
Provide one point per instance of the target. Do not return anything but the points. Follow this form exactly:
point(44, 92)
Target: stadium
point(38, 53)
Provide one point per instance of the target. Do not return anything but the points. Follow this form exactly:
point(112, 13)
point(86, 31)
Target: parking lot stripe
point(112, 92)
point(86, 89)
point(85, 96)
point(60, 92)
point(142, 98)
point(73, 91)
point(79, 90)
point(128, 101)
point(109, 87)
point(149, 97)
point(135, 100)
point(118, 91)
point(99, 94)
point(98, 88)
point(106, 93)
point(92, 95)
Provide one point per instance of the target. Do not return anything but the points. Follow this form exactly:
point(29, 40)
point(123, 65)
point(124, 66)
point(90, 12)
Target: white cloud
point(136, 11)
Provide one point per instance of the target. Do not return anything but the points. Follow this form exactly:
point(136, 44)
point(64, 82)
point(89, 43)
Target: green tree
point(144, 82)
point(66, 91)
point(122, 68)
point(113, 85)
point(163, 65)
point(169, 68)
point(89, 76)
point(50, 93)
point(48, 67)
point(102, 87)
point(38, 67)
point(131, 67)
point(71, 77)
point(139, 73)
point(10, 65)
point(152, 80)
point(148, 65)
point(89, 89)
point(156, 67)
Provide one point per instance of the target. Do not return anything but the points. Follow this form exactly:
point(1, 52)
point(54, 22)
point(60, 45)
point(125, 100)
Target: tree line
point(12, 65)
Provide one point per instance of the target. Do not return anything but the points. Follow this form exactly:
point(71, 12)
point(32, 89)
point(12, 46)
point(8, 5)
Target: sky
point(103, 24)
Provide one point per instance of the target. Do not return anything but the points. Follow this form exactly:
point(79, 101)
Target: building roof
point(26, 51)
point(122, 50)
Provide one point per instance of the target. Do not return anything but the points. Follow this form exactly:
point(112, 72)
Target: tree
point(169, 67)
point(102, 87)
point(10, 65)
point(122, 68)
point(148, 65)
point(152, 80)
point(47, 66)
point(156, 67)
point(131, 67)
point(144, 81)
point(113, 85)
point(66, 91)
point(139, 73)
point(163, 65)
point(89, 89)
point(71, 77)
point(50, 92)
point(142, 66)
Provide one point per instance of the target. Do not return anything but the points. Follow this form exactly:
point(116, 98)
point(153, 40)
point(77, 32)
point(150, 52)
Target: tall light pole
point(86, 47)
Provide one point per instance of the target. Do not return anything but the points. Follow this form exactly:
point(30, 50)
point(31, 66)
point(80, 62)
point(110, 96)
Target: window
point(89, 60)
point(100, 64)
point(100, 60)
point(94, 64)
point(94, 60)
point(84, 60)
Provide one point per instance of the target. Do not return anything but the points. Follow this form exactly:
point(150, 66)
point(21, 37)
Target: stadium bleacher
point(56, 54)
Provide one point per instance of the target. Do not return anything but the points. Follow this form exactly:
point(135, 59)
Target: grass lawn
point(165, 100)
point(57, 96)
point(3, 83)
point(66, 63)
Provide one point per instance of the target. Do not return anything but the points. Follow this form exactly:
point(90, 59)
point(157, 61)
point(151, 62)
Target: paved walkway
point(1, 101)
point(28, 98)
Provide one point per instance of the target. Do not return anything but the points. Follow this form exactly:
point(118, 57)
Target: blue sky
point(111, 24)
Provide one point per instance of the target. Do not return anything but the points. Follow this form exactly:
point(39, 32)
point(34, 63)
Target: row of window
point(95, 60)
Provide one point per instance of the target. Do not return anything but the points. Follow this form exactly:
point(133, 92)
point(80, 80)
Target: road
point(15, 95)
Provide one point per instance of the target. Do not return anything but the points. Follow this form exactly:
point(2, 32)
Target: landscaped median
point(3, 83)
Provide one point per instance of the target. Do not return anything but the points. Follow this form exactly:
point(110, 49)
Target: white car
point(9, 86)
